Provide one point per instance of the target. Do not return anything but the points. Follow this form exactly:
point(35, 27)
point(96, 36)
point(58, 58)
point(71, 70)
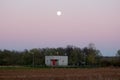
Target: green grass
point(44, 67)
point(14, 67)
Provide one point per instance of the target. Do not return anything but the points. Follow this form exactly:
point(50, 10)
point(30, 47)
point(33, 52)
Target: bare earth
point(60, 74)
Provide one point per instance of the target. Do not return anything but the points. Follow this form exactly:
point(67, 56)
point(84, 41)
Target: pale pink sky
point(34, 23)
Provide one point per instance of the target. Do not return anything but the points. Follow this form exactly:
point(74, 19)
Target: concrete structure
point(56, 60)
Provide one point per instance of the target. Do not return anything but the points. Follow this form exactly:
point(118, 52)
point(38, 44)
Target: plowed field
point(60, 74)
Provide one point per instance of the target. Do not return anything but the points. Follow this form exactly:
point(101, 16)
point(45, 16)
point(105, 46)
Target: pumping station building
point(56, 60)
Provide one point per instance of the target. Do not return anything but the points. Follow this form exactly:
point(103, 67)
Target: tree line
point(76, 56)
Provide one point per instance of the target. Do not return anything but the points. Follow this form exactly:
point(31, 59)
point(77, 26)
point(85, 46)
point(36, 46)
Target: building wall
point(61, 60)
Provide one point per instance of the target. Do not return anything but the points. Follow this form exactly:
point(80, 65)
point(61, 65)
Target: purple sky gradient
point(34, 23)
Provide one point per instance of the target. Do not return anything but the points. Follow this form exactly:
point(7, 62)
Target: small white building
point(56, 60)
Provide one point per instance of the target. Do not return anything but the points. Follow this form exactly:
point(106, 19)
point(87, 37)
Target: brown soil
point(60, 74)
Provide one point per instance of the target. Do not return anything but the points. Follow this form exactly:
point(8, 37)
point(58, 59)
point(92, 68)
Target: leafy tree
point(38, 56)
point(91, 54)
point(118, 53)
point(76, 56)
point(26, 58)
point(118, 56)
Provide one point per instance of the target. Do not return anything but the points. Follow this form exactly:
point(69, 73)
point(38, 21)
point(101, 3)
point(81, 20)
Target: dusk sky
point(26, 24)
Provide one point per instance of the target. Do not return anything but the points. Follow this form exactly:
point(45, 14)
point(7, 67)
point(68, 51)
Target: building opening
point(54, 62)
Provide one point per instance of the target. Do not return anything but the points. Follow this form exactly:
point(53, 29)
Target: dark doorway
point(54, 62)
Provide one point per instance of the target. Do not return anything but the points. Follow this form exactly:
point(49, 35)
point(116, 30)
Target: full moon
point(59, 13)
